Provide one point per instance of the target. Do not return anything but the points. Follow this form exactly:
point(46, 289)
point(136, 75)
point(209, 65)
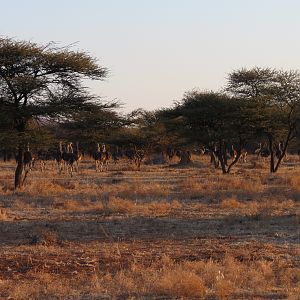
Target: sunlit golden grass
point(3, 214)
point(165, 277)
point(99, 206)
point(239, 183)
point(216, 184)
point(72, 205)
point(179, 282)
point(263, 207)
point(206, 235)
point(294, 181)
point(137, 190)
point(231, 203)
point(151, 208)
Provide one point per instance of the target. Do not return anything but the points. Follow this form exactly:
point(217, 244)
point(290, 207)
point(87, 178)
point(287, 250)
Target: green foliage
point(43, 97)
point(93, 125)
point(276, 101)
point(43, 81)
point(274, 94)
point(207, 117)
point(151, 128)
point(38, 82)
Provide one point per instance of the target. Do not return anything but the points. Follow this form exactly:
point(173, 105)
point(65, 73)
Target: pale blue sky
point(158, 49)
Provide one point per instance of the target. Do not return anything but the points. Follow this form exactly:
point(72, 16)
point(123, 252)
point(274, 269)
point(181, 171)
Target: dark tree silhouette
point(211, 119)
point(275, 102)
point(42, 81)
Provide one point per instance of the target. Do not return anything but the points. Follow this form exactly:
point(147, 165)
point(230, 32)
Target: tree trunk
point(234, 161)
point(272, 161)
point(239, 152)
point(5, 155)
point(223, 164)
point(222, 156)
point(19, 169)
point(214, 159)
point(185, 157)
point(288, 138)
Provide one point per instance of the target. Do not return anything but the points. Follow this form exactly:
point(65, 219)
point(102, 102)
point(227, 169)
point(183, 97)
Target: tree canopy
point(45, 84)
point(211, 119)
point(43, 81)
point(275, 98)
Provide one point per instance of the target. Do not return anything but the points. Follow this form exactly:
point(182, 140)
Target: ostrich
point(78, 156)
point(116, 154)
point(59, 158)
point(42, 156)
point(105, 157)
point(233, 153)
point(262, 152)
point(257, 151)
point(96, 156)
point(68, 157)
point(279, 151)
point(202, 150)
point(139, 156)
point(214, 153)
point(243, 156)
point(265, 152)
point(170, 152)
point(135, 156)
point(101, 157)
point(28, 159)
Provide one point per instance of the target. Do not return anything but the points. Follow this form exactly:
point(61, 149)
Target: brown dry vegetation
point(162, 233)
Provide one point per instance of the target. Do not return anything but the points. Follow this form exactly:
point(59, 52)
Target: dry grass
point(294, 182)
point(3, 214)
point(264, 207)
point(215, 186)
point(231, 203)
point(189, 233)
point(179, 283)
point(165, 277)
point(144, 191)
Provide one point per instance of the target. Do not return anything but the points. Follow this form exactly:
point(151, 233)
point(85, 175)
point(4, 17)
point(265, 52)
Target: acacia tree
point(42, 81)
point(95, 125)
point(211, 119)
point(275, 102)
point(152, 129)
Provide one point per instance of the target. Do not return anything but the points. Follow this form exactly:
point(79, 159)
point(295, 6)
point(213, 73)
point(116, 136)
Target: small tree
point(152, 129)
point(275, 97)
point(42, 81)
point(211, 119)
